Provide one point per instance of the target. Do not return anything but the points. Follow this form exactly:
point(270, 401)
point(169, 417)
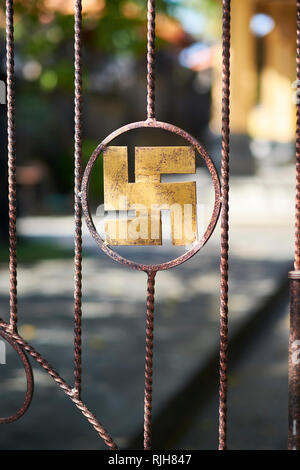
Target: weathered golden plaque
point(148, 196)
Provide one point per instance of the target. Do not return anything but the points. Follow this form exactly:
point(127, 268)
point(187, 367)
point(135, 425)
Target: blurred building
point(263, 76)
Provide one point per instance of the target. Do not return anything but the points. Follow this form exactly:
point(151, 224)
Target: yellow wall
point(274, 117)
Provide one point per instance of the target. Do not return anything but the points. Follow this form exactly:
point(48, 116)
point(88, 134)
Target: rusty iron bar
point(151, 59)
point(224, 226)
point(294, 276)
point(294, 361)
point(12, 184)
point(77, 201)
point(297, 215)
point(149, 361)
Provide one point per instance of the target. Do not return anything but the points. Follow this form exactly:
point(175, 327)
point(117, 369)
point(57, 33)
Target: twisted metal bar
point(297, 217)
point(149, 361)
point(224, 228)
point(77, 202)
point(151, 59)
point(17, 339)
point(12, 185)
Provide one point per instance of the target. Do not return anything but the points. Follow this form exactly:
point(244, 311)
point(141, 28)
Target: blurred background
point(263, 123)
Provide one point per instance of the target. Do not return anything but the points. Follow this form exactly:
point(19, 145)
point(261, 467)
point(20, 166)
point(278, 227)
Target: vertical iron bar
point(294, 361)
point(224, 227)
point(297, 215)
point(151, 59)
point(151, 274)
point(12, 184)
point(149, 361)
point(77, 202)
point(294, 276)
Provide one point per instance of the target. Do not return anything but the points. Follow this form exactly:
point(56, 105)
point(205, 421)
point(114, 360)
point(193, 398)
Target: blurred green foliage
point(32, 251)
point(44, 68)
point(48, 41)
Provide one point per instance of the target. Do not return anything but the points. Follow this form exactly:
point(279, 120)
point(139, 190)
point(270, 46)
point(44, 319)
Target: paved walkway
point(187, 317)
point(258, 394)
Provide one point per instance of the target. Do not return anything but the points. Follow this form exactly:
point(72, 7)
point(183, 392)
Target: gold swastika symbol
point(148, 196)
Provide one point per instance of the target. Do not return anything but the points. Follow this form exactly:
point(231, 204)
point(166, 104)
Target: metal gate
point(182, 160)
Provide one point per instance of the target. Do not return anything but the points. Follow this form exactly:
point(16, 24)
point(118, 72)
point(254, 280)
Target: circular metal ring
point(212, 170)
point(29, 378)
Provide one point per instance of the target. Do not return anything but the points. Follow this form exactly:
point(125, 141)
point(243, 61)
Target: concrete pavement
point(186, 324)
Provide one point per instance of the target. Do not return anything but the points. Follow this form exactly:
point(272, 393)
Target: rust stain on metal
point(77, 203)
point(148, 196)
